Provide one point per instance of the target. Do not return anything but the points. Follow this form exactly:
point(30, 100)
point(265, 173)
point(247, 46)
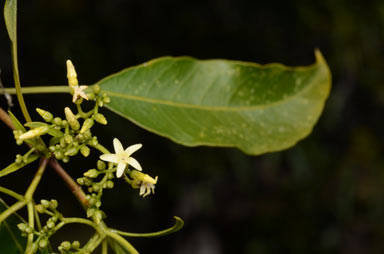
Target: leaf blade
point(10, 17)
point(256, 108)
point(11, 240)
point(16, 166)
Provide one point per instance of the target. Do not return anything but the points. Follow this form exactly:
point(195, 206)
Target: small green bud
point(52, 148)
point(96, 89)
point(50, 224)
point(19, 142)
point(106, 100)
point(62, 142)
point(53, 204)
point(87, 181)
point(48, 117)
point(94, 141)
point(68, 139)
point(85, 151)
point(100, 165)
point(87, 135)
point(34, 133)
point(98, 216)
point(91, 96)
point(45, 229)
point(64, 123)
point(54, 218)
point(39, 208)
point(66, 159)
point(29, 230)
point(100, 119)
point(96, 187)
point(110, 176)
point(66, 245)
point(80, 181)
point(92, 173)
point(19, 159)
point(76, 245)
point(57, 121)
point(92, 201)
point(98, 203)
point(22, 227)
point(90, 212)
point(59, 155)
point(71, 151)
point(88, 123)
point(71, 118)
point(43, 243)
point(45, 203)
point(110, 184)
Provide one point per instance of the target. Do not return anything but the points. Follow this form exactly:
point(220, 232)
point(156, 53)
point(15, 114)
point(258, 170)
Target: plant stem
point(31, 223)
point(72, 185)
point(38, 90)
point(104, 247)
point(5, 118)
point(101, 148)
point(122, 242)
point(32, 187)
point(16, 77)
point(11, 193)
point(12, 209)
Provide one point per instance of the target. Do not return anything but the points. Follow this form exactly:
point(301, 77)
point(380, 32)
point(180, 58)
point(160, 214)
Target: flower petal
point(110, 157)
point(142, 190)
point(120, 169)
point(134, 163)
point(117, 146)
point(133, 148)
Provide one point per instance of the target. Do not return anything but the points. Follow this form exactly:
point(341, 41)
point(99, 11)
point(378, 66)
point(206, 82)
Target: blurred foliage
point(325, 195)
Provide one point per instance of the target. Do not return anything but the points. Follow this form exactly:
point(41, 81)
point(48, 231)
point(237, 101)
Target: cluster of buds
point(46, 207)
point(70, 248)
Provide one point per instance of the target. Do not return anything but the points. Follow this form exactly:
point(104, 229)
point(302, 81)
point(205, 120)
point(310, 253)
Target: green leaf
point(256, 108)
point(11, 241)
point(10, 17)
point(16, 122)
point(34, 125)
point(15, 166)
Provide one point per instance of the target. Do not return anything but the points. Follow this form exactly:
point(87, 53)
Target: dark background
point(325, 195)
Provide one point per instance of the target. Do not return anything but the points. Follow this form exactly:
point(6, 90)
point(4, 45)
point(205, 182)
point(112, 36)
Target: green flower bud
point(92, 201)
point(43, 243)
point(19, 142)
point(96, 187)
point(98, 203)
point(88, 123)
point(45, 203)
point(110, 176)
point(50, 224)
point(91, 96)
point(76, 245)
point(52, 148)
point(85, 151)
point(92, 173)
point(64, 123)
point(53, 204)
point(71, 151)
point(106, 99)
point(110, 184)
point(80, 181)
point(98, 216)
point(48, 117)
point(59, 155)
point(57, 121)
point(22, 227)
point(94, 141)
point(29, 230)
point(90, 212)
point(87, 135)
point(66, 159)
point(54, 218)
point(39, 208)
point(62, 142)
point(71, 118)
point(19, 159)
point(34, 133)
point(68, 139)
point(100, 165)
point(66, 245)
point(87, 181)
point(100, 119)
point(96, 89)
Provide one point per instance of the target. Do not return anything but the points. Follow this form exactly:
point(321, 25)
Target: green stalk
point(122, 242)
point(38, 90)
point(11, 193)
point(12, 209)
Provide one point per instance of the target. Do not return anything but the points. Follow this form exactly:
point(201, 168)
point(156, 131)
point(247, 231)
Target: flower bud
point(71, 118)
point(71, 151)
point(76, 245)
point(39, 208)
point(110, 184)
point(90, 212)
point(66, 245)
point(71, 74)
point(44, 203)
point(85, 151)
point(100, 119)
point(43, 243)
point(92, 173)
point(80, 181)
point(50, 224)
point(100, 165)
point(34, 133)
point(22, 226)
point(57, 120)
point(96, 89)
point(53, 204)
point(98, 216)
point(48, 117)
point(33, 248)
point(88, 123)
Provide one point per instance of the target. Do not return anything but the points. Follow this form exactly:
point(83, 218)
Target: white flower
point(122, 157)
point(147, 186)
point(78, 91)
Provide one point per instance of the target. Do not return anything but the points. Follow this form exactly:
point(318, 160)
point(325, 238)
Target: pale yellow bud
point(71, 74)
point(34, 133)
point(71, 118)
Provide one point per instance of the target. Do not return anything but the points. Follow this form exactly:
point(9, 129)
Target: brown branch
point(72, 185)
point(6, 119)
